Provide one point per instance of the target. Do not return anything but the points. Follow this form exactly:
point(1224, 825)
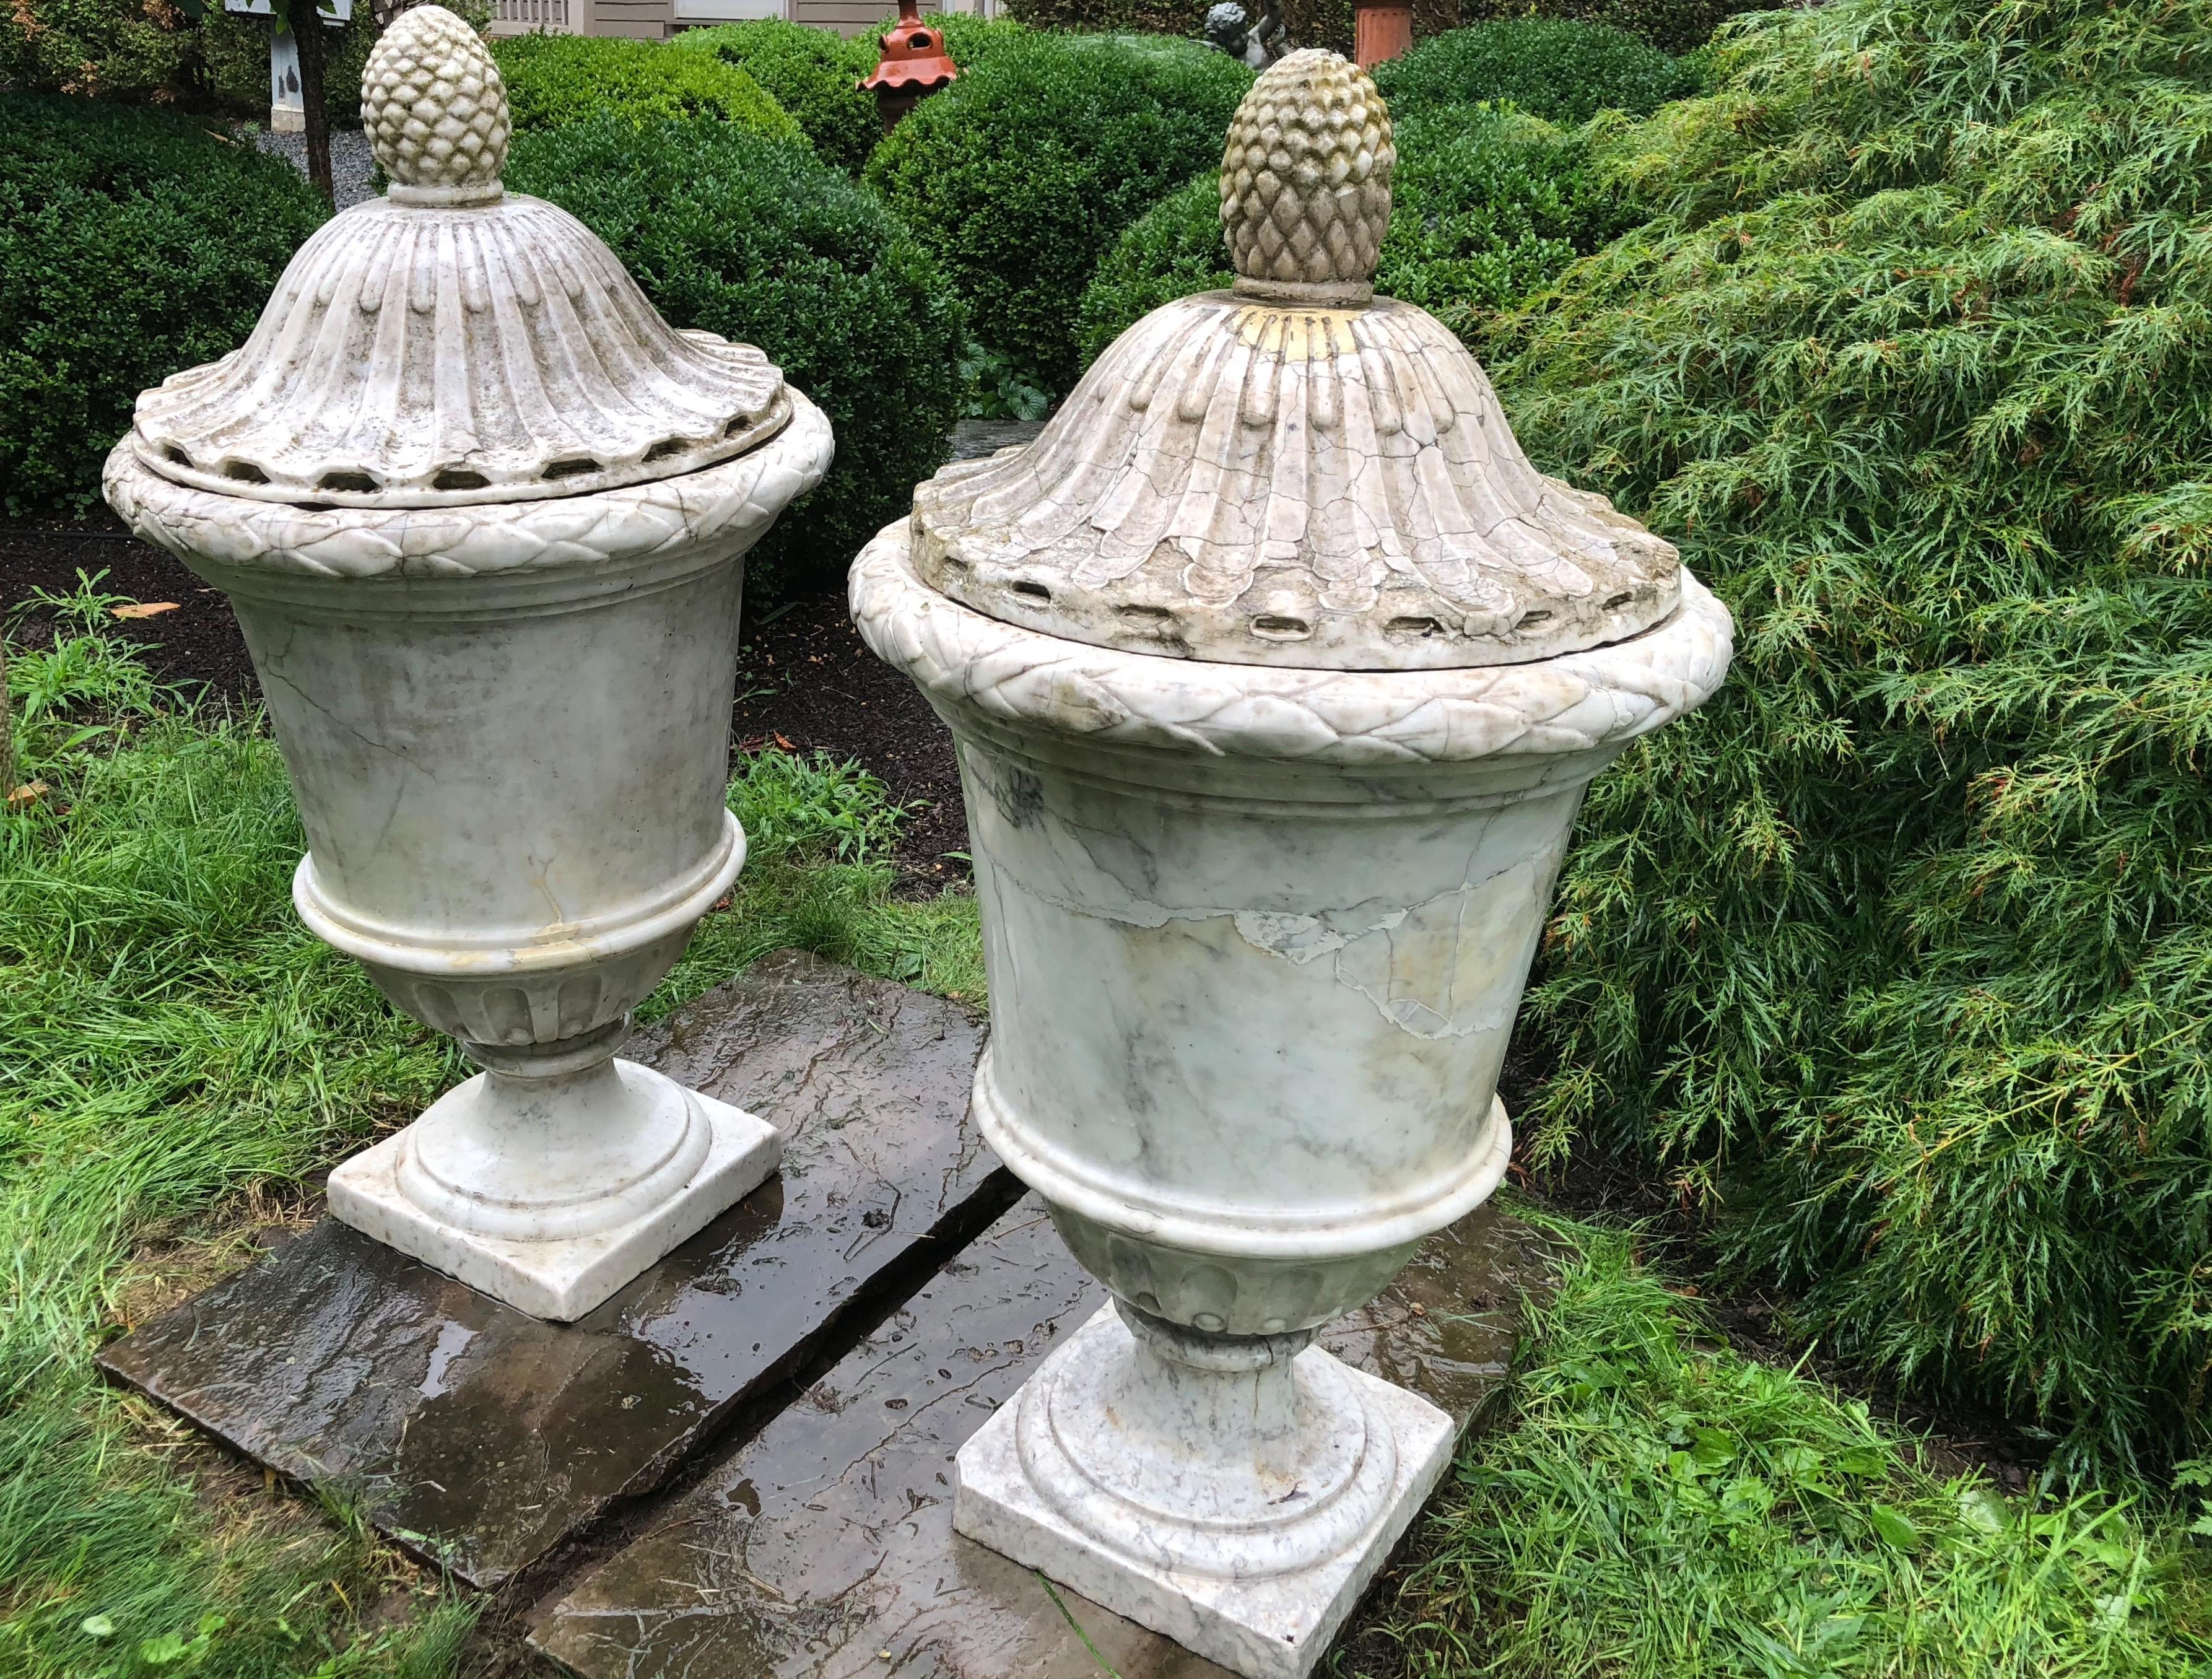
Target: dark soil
point(806, 681)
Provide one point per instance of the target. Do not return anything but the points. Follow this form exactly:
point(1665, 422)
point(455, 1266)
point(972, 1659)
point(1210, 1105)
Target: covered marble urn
point(482, 514)
point(1277, 674)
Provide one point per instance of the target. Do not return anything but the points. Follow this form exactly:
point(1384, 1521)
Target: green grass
point(1658, 1506)
point(172, 1043)
point(171, 1039)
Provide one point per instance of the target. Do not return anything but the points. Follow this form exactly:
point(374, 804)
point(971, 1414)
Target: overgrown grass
point(1656, 1506)
point(171, 1037)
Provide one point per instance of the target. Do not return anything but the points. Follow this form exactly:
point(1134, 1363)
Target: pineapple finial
point(435, 110)
point(1305, 181)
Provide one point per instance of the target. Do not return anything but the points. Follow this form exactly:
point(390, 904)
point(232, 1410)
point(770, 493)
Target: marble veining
point(482, 514)
point(1277, 673)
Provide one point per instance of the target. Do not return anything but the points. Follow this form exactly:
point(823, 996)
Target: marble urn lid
point(452, 344)
point(1296, 472)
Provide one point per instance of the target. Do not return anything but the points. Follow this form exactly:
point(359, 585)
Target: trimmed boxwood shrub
point(556, 80)
point(1672, 26)
point(1023, 173)
point(1898, 955)
point(813, 74)
point(759, 240)
point(1488, 204)
point(133, 243)
point(970, 39)
point(1564, 72)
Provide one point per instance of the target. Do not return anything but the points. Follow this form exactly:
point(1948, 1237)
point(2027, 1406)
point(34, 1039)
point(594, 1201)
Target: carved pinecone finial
point(435, 109)
point(1305, 181)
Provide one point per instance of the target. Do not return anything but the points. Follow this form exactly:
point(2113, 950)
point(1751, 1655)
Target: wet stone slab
point(485, 1437)
point(824, 1546)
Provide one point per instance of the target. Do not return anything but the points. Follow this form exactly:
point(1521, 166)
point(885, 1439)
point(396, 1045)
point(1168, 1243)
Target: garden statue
point(1277, 673)
point(913, 65)
point(482, 514)
point(1260, 45)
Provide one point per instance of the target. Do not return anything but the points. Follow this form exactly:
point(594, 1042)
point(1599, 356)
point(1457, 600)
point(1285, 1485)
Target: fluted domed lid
point(1295, 472)
point(452, 343)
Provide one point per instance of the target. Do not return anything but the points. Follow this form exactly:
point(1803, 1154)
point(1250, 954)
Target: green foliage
point(553, 81)
point(1488, 204)
point(171, 1039)
point(813, 74)
point(794, 805)
point(130, 50)
point(1563, 72)
point(1902, 948)
point(1658, 1507)
point(133, 243)
point(1672, 26)
point(757, 240)
point(1153, 18)
point(1023, 173)
point(110, 48)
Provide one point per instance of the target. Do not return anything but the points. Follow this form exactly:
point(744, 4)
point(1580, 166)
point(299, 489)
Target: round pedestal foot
point(1227, 1455)
point(547, 1146)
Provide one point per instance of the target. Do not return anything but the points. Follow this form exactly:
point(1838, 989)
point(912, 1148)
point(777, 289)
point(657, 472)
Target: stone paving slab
point(484, 1438)
point(824, 1547)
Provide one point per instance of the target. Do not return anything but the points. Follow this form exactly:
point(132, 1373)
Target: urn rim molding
point(520, 951)
point(736, 497)
point(1602, 698)
point(1218, 1231)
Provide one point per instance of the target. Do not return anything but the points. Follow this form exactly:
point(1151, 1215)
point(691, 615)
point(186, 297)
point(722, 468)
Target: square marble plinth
point(564, 1279)
point(489, 1440)
point(826, 1539)
point(1272, 1628)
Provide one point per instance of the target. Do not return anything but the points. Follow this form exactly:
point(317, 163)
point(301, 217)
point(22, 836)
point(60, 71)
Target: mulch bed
point(805, 680)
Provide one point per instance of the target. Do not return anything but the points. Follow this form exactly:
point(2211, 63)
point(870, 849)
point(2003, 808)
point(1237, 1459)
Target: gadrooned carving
point(732, 500)
point(1571, 703)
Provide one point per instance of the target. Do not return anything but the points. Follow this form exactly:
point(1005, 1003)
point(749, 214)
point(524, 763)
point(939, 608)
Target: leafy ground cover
point(172, 1045)
point(1897, 957)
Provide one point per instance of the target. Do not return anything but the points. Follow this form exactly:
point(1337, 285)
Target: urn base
point(1166, 1539)
point(583, 1258)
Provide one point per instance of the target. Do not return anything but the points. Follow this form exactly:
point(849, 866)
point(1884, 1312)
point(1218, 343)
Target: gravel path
point(351, 160)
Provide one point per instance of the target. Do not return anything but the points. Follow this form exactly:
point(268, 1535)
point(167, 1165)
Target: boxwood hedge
point(1023, 173)
point(758, 240)
point(556, 80)
point(813, 74)
point(1561, 70)
point(133, 243)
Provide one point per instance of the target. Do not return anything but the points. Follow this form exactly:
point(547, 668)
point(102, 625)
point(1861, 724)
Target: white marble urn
point(1277, 673)
point(482, 514)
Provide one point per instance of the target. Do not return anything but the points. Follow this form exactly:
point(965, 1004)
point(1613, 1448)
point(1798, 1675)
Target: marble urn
point(482, 514)
point(1277, 674)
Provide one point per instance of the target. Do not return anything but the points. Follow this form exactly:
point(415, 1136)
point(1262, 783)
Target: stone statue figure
point(1259, 44)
